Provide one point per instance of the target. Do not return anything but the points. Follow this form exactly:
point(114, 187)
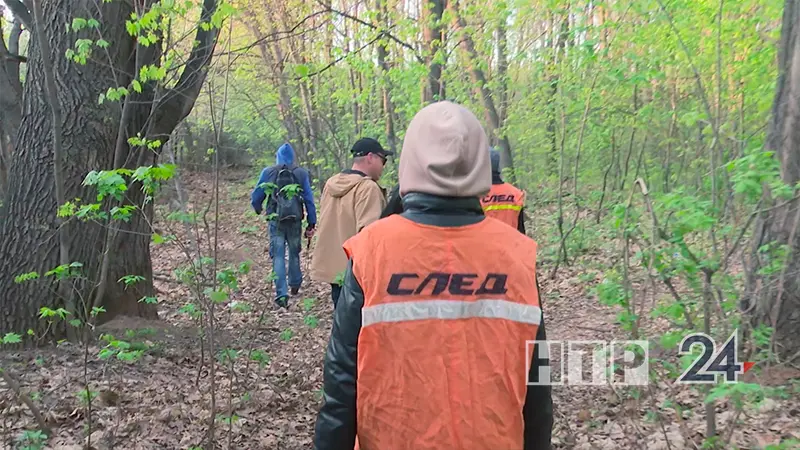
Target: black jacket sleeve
point(538, 409)
point(394, 204)
point(521, 221)
point(336, 423)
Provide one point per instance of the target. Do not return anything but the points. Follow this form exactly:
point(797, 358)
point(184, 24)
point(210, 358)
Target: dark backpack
point(287, 203)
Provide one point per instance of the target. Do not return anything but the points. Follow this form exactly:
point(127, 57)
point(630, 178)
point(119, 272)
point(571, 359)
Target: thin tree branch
point(383, 31)
point(339, 59)
point(269, 37)
point(701, 91)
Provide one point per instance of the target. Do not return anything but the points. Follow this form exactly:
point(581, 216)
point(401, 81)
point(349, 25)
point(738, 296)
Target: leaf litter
point(163, 400)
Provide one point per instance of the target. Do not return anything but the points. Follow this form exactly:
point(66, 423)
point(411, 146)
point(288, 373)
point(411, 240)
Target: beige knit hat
point(445, 152)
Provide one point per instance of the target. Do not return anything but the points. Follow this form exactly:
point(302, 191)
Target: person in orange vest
point(428, 346)
point(504, 201)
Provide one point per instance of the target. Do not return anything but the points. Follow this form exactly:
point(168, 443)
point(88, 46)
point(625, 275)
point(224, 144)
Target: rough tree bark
point(90, 133)
point(775, 298)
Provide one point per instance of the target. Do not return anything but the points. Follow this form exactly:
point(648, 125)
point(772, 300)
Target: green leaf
point(137, 86)
point(286, 334)
point(78, 24)
point(26, 277)
point(218, 296)
point(301, 70)
point(12, 338)
point(311, 321)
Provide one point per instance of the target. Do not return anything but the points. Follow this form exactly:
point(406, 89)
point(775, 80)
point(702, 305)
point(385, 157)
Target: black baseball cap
point(365, 146)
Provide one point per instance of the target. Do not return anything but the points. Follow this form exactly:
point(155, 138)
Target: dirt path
point(163, 400)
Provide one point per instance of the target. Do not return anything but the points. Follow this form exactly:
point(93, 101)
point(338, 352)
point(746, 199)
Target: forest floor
point(271, 381)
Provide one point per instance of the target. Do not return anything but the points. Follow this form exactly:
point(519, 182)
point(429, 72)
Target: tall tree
point(95, 137)
point(432, 11)
point(775, 296)
point(10, 95)
point(383, 52)
point(481, 85)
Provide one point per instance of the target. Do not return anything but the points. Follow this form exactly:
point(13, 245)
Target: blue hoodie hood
point(285, 155)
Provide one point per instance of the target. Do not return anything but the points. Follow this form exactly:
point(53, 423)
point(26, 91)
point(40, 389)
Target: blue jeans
point(280, 237)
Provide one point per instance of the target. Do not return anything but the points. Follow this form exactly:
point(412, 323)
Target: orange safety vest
point(441, 353)
point(504, 202)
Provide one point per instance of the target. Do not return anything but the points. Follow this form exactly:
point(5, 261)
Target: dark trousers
point(335, 291)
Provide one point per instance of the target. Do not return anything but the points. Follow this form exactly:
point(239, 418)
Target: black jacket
point(394, 204)
point(336, 423)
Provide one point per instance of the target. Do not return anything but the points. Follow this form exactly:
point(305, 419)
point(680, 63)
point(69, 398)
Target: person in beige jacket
point(351, 200)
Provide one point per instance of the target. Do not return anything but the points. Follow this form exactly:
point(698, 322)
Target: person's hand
point(310, 231)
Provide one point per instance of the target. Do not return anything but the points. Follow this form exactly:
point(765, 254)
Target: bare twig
point(732, 426)
point(383, 31)
point(339, 59)
point(277, 34)
point(24, 398)
point(578, 149)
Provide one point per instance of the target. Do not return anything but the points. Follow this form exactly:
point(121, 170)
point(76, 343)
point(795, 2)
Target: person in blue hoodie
point(285, 235)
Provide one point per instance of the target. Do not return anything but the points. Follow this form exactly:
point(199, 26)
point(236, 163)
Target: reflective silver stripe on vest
point(450, 309)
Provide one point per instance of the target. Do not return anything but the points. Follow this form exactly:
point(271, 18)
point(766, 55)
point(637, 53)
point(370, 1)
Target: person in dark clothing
point(410, 339)
point(395, 203)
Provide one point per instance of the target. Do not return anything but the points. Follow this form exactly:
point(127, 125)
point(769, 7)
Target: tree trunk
point(558, 40)
point(306, 95)
point(272, 57)
point(432, 11)
point(90, 131)
point(775, 297)
point(502, 66)
point(478, 77)
point(388, 106)
point(10, 98)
